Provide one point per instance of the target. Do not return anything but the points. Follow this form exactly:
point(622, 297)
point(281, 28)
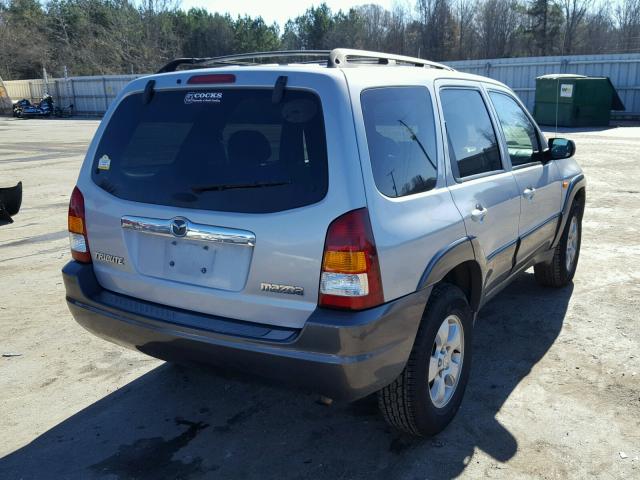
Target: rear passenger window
point(473, 146)
point(401, 136)
point(522, 140)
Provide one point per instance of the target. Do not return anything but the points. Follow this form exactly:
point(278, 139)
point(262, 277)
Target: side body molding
point(576, 184)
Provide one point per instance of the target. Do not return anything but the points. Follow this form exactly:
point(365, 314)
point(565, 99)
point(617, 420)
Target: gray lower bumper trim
point(344, 355)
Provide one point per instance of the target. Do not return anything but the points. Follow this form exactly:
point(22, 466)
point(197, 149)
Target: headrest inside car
point(248, 147)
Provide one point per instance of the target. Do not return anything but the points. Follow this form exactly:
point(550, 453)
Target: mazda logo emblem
point(179, 227)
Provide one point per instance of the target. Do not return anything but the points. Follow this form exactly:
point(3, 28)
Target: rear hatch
point(216, 199)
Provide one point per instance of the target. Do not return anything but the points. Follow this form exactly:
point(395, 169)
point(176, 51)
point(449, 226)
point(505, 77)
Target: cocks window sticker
point(202, 97)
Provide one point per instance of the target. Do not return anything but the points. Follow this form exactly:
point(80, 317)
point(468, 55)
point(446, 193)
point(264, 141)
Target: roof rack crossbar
point(336, 58)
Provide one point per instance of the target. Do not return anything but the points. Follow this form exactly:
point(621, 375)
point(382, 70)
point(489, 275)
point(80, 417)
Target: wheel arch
point(576, 192)
point(468, 277)
point(580, 199)
point(456, 264)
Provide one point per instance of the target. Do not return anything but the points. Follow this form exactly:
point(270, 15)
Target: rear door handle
point(478, 213)
point(529, 193)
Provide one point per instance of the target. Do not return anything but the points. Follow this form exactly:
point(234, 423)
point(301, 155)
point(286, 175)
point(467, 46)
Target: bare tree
point(374, 20)
point(498, 21)
point(436, 28)
point(574, 12)
point(464, 12)
point(397, 29)
point(628, 18)
point(115, 36)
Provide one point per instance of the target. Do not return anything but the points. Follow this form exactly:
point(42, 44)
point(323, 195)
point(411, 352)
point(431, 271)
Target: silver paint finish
point(289, 244)
point(489, 204)
point(540, 184)
point(287, 249)
point(409, 231)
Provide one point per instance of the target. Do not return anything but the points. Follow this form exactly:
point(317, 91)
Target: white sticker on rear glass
point(104, 163)
point(566, 90)
point(202, 97)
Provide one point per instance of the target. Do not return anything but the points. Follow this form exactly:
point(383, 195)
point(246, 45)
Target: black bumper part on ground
point(344, 355)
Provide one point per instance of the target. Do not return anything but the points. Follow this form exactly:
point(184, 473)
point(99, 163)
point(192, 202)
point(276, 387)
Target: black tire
point(555, 273)
point(406, 403)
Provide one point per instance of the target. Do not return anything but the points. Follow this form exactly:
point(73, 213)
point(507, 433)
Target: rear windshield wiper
point(414, 137)
point(232, 186)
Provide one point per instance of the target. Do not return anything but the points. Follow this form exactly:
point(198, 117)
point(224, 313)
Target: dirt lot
point(555, 388)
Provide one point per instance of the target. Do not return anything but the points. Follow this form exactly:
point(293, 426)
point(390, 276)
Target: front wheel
point(560, 271)
point(427, 394)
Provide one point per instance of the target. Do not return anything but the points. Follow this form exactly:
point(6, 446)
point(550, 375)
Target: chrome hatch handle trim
point(194, 231)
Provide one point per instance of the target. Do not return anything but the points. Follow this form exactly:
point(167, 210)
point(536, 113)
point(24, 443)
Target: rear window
point(401, 136)
point(231, 150)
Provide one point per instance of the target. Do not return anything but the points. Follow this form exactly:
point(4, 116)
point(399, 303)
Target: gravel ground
point(554, 390)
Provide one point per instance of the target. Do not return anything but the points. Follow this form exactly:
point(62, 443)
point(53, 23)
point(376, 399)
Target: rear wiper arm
point(232, 186)
point(414, 137)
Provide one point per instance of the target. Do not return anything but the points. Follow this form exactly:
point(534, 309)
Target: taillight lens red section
point(215, 78)
point(78, 228)
point(350, 277)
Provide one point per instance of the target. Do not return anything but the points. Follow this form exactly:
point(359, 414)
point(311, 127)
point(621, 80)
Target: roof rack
point(336, 58)
point(345, 57)
point(240, 59)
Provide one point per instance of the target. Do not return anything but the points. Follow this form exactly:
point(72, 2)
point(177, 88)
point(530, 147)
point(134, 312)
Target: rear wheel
point(427, 394)
point(560, 271)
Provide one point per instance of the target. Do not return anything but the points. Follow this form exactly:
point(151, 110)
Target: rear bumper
point(344, 355)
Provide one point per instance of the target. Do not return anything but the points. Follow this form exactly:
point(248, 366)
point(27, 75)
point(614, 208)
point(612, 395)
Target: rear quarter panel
point(409, 231)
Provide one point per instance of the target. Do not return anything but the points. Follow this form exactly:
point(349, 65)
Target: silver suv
point(335, 223)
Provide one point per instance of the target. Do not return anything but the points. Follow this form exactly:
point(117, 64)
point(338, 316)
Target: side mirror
point(560, 148)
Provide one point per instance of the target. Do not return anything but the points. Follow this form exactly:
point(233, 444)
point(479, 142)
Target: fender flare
point(576, 184)
point(449, 257)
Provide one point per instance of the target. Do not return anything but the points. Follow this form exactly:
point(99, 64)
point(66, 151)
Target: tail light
point(78, 228)
point(350, 276)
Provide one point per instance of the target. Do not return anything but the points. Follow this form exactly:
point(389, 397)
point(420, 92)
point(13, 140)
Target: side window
point(473, 146)
point(401, 136)
point(522, 140)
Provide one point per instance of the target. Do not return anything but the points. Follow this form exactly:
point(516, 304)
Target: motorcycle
point(44, 108)
point(19, 105)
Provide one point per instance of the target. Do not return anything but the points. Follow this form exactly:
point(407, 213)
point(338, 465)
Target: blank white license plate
point(207, 264)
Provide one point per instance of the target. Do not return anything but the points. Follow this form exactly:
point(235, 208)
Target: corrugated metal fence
point(89, 95)
point(520, 73)
point(92, 95)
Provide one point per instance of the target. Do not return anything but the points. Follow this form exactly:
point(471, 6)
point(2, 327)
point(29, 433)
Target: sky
point(278, 11)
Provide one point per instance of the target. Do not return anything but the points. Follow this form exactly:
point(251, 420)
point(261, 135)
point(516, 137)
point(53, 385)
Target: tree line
point(97, 37)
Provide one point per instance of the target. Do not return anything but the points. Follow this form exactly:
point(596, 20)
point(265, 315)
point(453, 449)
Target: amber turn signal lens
point(76, 225)
point(345, 262)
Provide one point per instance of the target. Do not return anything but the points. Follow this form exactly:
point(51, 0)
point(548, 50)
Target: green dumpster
point(575, 100)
